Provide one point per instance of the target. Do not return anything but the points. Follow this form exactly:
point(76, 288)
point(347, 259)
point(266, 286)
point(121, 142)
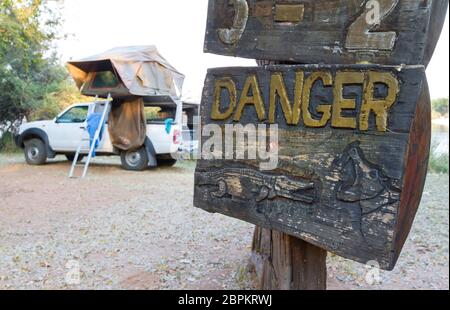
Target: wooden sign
point(352, 146)
point(387, 32)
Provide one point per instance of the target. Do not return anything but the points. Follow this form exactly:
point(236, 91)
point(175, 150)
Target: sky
point(177, 28)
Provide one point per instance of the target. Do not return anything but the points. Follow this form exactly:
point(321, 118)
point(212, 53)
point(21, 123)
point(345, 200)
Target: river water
point(440, 139)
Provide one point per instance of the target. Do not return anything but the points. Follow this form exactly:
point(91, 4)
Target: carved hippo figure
point(364, 188)
point(368, 184)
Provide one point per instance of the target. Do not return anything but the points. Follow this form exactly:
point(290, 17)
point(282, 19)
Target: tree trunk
point(283, 262)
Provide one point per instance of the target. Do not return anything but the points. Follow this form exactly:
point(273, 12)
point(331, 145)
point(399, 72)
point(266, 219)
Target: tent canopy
point(127, 71)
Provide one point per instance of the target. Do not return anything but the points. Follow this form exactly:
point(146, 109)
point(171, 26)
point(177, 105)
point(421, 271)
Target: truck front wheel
point(35, 152)
point(136, 160)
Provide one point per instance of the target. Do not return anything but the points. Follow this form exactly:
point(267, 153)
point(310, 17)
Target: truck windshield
point(159, 114)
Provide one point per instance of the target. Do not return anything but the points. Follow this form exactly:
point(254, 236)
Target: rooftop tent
point(134, 76)
point(127, 71)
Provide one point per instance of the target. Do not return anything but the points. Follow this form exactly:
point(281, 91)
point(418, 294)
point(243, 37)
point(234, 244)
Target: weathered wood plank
point(387, 32)
point(344, 180)
point(283, 262)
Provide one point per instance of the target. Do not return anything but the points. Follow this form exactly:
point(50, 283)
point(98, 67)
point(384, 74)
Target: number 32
point(359, 35)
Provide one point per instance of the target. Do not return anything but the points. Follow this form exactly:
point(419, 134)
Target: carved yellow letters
point(255, 99)
point(379, 107)
point(301, 107)
point(327, 80)
point(340, 103)
point(278, 88)
point(230, 86)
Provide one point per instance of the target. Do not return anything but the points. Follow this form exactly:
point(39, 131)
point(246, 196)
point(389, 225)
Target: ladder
point(93, 143)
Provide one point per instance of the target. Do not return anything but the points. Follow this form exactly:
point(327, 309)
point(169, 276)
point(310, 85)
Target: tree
point(441, 106)
point(54, 102)
point(29, 68)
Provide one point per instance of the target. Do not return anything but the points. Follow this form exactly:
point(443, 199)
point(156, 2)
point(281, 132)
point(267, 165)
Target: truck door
point(69, 129)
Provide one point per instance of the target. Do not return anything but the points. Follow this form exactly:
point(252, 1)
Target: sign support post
point(283, 262)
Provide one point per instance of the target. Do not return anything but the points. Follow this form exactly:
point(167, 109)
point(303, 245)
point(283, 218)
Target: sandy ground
point(123, 230)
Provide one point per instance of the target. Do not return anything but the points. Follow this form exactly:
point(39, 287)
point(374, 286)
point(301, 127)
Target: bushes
point(63, 95)
point(7, 144)
point(55, 102)
point(29, 67)
point(440, 107)
point(438, 161)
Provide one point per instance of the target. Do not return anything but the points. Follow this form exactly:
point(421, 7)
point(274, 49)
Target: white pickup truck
point(62, 136)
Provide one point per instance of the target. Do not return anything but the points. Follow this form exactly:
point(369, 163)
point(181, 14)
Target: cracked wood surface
point(327, 31)
point(361, 180)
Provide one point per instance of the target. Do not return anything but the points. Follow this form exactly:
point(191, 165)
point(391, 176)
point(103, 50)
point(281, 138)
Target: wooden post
point(283, 262)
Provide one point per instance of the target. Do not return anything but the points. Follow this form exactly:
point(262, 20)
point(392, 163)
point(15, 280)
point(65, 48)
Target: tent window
point(159, 114)
point(105, 79)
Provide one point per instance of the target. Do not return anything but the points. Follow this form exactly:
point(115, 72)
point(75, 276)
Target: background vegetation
point(439, 163)
point(440, 108)
point(439, 160)
point(34, 85)
point(33, 82)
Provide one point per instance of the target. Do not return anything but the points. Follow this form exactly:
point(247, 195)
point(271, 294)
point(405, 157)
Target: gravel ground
point(124, 230)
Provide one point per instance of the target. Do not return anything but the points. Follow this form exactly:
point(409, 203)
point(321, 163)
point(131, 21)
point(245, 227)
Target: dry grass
point(140, 231)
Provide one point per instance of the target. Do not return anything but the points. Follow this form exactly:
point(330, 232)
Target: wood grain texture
point(329, 31)
point(347, 191)
point(283, 262)
point(416, 169)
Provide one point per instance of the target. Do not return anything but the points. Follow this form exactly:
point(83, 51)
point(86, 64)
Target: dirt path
point(140, 231)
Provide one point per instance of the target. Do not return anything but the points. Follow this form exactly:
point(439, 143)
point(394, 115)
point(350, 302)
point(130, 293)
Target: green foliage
point(28, 68)
point(440, 106)
point(439, 163)
point(54, 102)
point(33, 84)
point(7, 144)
